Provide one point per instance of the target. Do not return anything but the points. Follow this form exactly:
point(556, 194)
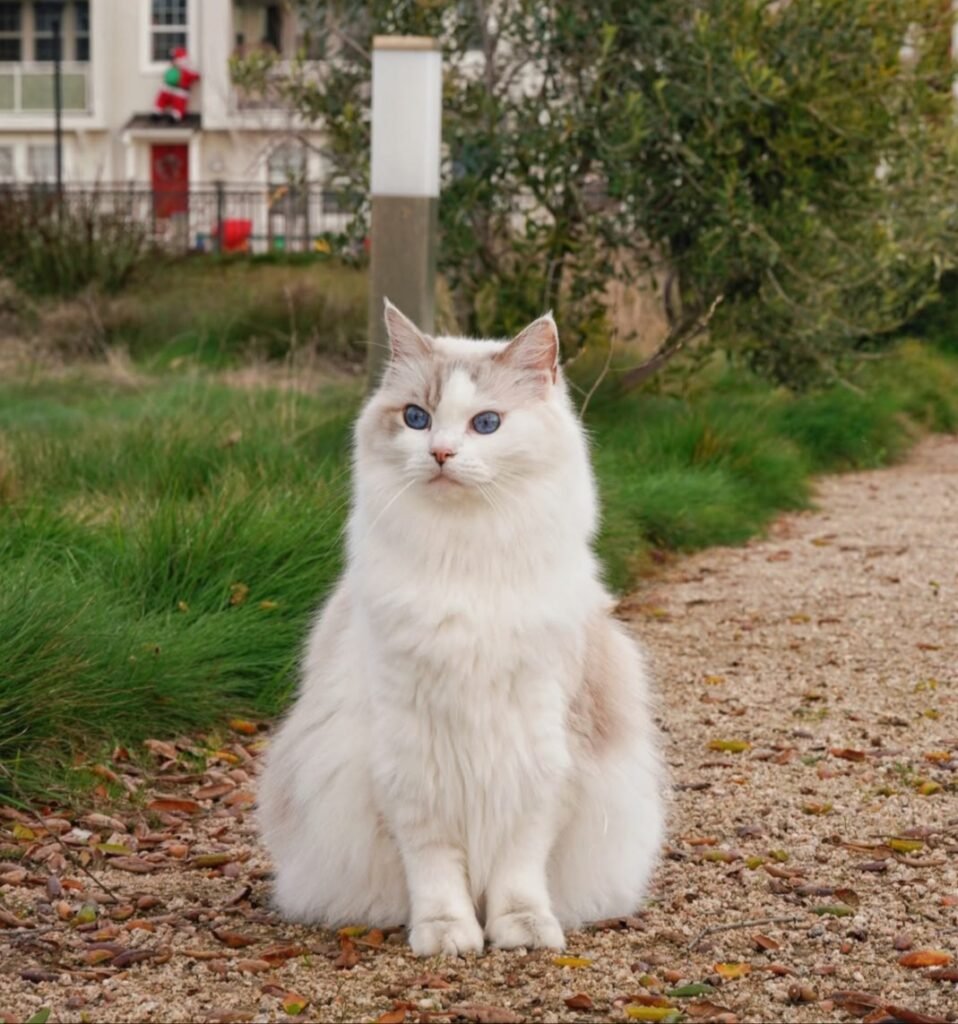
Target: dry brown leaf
point(847, 753)
point(480, 1014)
point(926, 958)
point(396, 1016)
point(162, 749)
point(580, 1001)
point(169, 804)
point(348, 954)
point(132, 956)
point(279, 954)
point(135, 865)
point(765, 942)
point(943, 974)
point(235, 940)
point(212, 792)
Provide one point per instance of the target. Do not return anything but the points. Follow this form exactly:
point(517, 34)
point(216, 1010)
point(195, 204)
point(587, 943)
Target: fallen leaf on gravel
point(279, 954)
point(211, 860)
point(730, 746)
point(41, 1016)
point(348, 954)
point(14, 877)
point(392, 1016)
point(135, 865)
point(161, 749)
point(733, 970)
point(925, 958)
point(699, 988)
point(833, 910)
point(35, 975)
point(653, 1013)
point(765, 942)
point(235, 940)
point(294, 1004)
point(815, 808)
point(580, 1001)
point(572, 961)
point(132, 956)
point(174, 804)
point(374, 937)
point(847, 754)
point(707, 1010)
point(486, 1014)
point(429, 981)
point(857, 1003)
point(617, 924)
point(848, 896)
point(97, 956)
point(214, 791)
point(904, 845)
point(944, 974)
point(891, 1014)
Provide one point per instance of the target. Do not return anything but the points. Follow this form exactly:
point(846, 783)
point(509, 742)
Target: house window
point(7, 172)
point(81, 30)
point(42, 163)
point(11, 32)
point(44, 39)
point(168, 28)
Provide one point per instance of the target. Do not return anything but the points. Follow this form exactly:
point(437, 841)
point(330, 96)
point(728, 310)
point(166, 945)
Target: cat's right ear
point(406, 341)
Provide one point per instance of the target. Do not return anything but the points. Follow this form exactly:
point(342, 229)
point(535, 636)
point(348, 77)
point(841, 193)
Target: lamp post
point(406, 136)
point(58, 103)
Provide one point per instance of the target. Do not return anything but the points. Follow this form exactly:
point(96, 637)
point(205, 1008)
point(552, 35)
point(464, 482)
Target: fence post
point(220, 208)
point(406, 137)
point(306, 197)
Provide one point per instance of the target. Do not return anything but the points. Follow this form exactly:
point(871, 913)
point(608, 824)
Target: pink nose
point(441, 454)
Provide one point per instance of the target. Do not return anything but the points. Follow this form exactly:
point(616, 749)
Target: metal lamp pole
point(58, 102)
point(406, 137)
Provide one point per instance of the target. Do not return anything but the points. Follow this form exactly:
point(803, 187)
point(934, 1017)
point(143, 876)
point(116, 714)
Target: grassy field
point(164, 538)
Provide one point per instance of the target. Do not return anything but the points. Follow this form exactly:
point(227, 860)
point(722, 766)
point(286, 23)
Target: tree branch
point(678, 337)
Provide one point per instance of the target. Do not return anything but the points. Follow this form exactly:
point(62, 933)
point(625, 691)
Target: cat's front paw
point(529, 928)
point(449, 935)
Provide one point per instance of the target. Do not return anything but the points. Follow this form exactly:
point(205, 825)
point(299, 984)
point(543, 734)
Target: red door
point(170, 177)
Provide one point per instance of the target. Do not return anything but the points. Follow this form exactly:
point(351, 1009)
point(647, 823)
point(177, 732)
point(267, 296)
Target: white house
point(114, 55)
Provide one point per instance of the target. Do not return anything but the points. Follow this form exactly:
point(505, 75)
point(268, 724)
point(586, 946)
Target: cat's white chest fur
point(471, 718)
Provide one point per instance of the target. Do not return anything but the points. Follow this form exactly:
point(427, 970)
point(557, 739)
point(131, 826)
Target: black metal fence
point(212, 218)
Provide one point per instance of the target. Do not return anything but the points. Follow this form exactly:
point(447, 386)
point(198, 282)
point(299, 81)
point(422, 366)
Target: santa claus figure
point(173, 97)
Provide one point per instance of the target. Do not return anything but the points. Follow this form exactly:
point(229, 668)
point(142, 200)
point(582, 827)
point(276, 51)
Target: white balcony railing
point(27, 87)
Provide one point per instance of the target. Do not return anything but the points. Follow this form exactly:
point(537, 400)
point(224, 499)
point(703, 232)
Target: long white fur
point(471, 752)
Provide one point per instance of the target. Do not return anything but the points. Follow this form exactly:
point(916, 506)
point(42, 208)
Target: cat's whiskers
point(389, 504)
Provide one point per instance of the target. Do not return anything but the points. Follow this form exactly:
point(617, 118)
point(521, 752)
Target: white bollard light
point(406, 138)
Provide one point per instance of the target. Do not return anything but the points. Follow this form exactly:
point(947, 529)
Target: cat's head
point(456, 418)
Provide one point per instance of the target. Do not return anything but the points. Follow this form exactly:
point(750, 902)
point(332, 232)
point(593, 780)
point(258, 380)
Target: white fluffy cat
point(472, 752)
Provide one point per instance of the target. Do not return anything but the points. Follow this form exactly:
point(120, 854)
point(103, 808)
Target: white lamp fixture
point(407, 116)
point(406, 140)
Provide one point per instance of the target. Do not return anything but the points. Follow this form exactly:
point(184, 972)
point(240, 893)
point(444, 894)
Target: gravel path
point(810, 697)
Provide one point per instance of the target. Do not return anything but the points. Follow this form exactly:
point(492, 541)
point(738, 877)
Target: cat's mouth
point(441, 479)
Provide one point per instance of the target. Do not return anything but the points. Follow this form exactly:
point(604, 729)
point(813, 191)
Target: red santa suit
point(175, 92)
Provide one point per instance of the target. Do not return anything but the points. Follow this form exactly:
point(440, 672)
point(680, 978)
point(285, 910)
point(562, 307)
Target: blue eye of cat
point(415, 417)
point(486, 422)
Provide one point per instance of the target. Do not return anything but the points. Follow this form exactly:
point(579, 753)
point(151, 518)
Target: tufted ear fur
point(534, 349)
point(406, 341)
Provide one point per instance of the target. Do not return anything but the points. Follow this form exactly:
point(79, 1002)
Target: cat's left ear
point(406, 341)
point(534, 349)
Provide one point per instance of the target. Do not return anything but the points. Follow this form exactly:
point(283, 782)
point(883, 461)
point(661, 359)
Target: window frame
point(19, 35)
point(150, 29)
